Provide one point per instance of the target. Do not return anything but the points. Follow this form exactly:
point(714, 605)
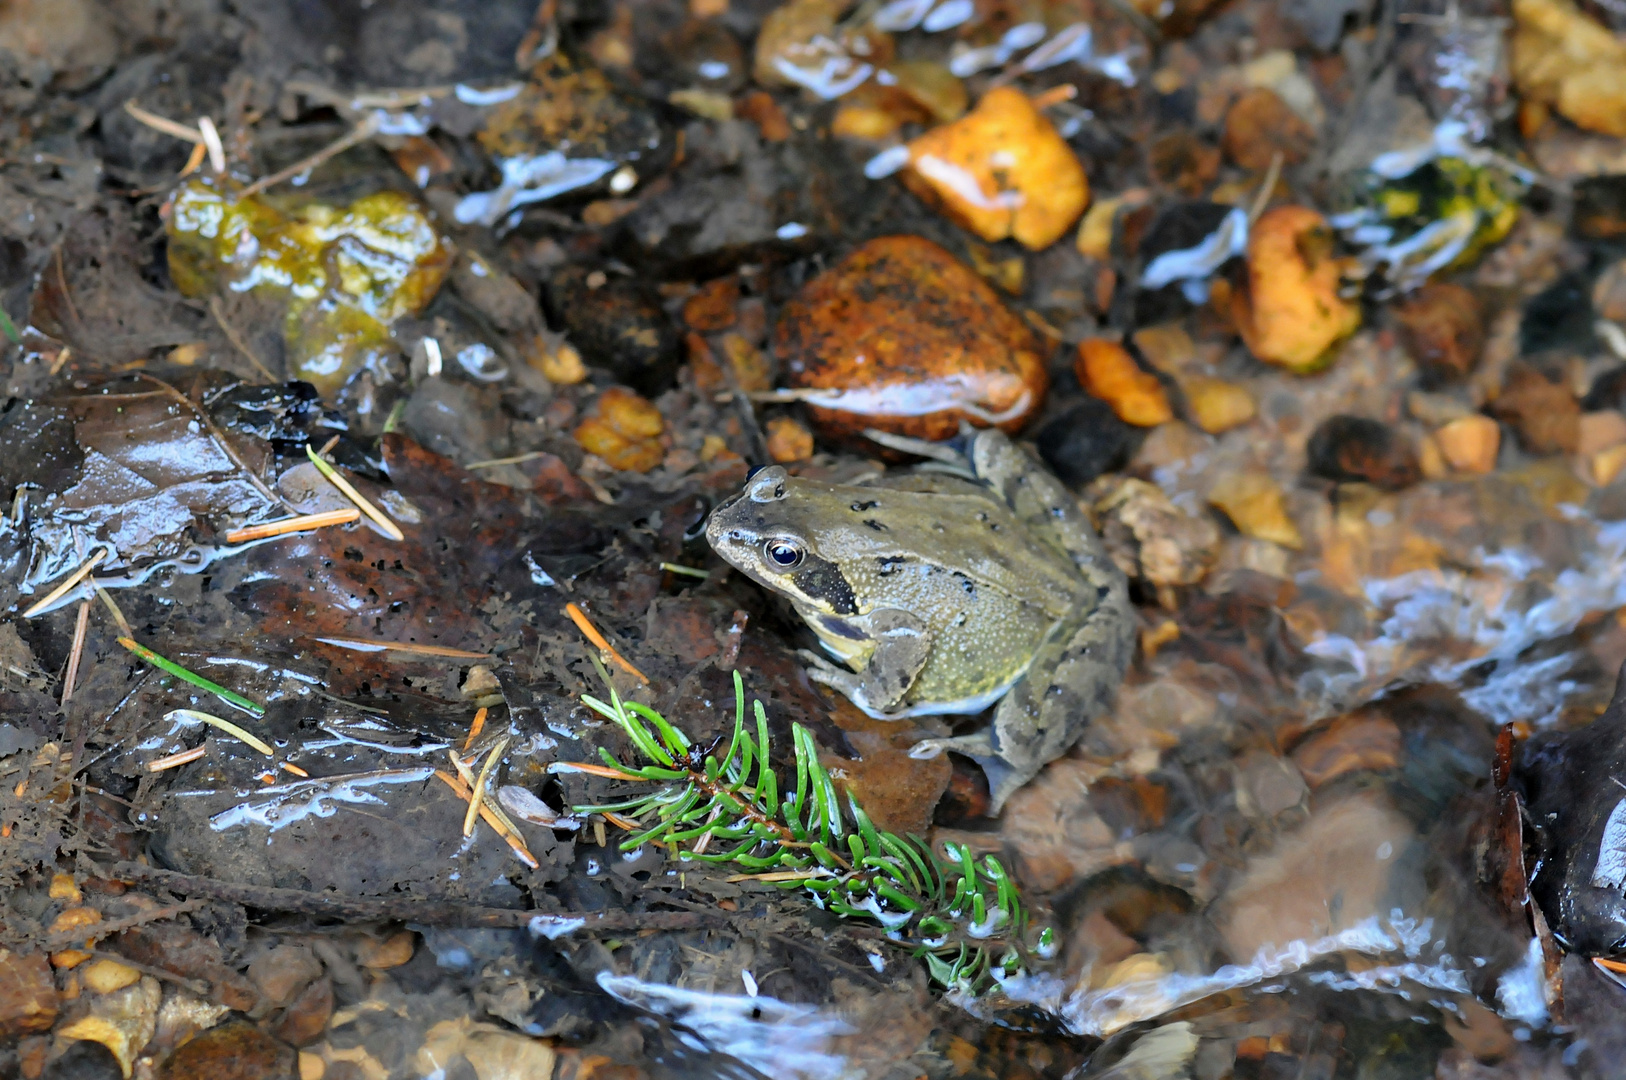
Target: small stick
point(211, 139)
point(193, 160)
point(303, 523)
point(621, 822)
point(463, 792)
point(1054, 96)
point(686, 571)
point(590, 769)
point(389, 527)
point(174, 760)
point(63, 355)
point(224, 725)
point(68, 583)
point(113, 609)
point(475, 728)
point(1262, 200)
point(237, 339)
point(517, 459)
point(170, 666)
point(399, 646)
point(289, 766)
point(366, 129)
point(477, 796)
point(160, 123)
point(71, 676)
point(590, 632)
point(467, 776)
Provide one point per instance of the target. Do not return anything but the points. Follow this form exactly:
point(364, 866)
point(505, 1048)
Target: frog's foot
point(1003, 777)
point(855, 688)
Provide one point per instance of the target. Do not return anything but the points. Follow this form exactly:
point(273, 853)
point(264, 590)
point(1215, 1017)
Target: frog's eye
point(783, 553)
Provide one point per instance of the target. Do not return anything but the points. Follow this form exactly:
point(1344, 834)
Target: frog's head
point(766, 531)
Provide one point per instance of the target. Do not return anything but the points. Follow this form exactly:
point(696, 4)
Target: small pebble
point(1291, 314)
point(28, 995)
point(789, 440)
point(1599, 431)
point(712, 308)
point(236, 1050)
point(1260, 125)
point(1001, 171)
point(1544, 413)
point(84, 1060)
point(1085, 441)
point(1470, 444)
point(1355, 448)
point(1218, 406)
point(1257, 507)
point(1107, 371)
point(106, 976)
point(1606, 464)
point(625, 431)
point(1442, 327)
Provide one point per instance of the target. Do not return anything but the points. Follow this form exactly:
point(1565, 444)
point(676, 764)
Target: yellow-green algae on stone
point(348, 272)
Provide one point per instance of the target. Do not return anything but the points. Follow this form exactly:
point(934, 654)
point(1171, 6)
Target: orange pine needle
point(463, 792)
point(176, 760)
point(400, 646)
point(475, 728)
point(294, 524)
point(1610, 965)
point(625, 823)
point(1054, 96)
point(590, 769)
point(590, 632)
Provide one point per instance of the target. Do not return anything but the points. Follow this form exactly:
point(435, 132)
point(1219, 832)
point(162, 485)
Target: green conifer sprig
point(725, 805)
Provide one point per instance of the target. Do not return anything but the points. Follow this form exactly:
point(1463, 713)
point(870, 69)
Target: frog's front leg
point(902, 643)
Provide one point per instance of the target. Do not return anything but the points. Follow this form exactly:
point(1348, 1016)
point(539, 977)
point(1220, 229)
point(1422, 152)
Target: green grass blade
point(231, 697)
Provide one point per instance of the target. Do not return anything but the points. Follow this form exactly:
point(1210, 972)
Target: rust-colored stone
point(712, 307)
point(1544, 413)
point(1443, 328)
point(910, 340)
point(1260, 125)
point(28, 997)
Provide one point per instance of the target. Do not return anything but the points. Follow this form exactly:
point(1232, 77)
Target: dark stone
point(1560, 317)
point(1576, 811)
point(233, 1051)
point(1600, 208)
point(84, 1060)
point(1443, 330)
point(1608, 391)
point(1085, 441)
point(1354, 448)
point(617, 326)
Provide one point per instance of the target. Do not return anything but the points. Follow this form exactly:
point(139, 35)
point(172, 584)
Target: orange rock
point(1469, 444)
point(788, 440)
point(1571, 62)
point(760, 108)
point(1001, 171)
point(1106, 370)
point(908, 339)
point(747, 362)
point(625, 432)
point(1216, 405)
point(1543, 412)
point(1599, 431)
point(1290, 314)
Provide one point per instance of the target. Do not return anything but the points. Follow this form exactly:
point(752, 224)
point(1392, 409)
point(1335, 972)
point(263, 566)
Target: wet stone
point(84, 1060)
point(1261, 125)
point(232, 1051)
point(1600, 208)
point(1544, 413)
point(617, 325)
point(1443, 329)
point(28, 997)
point(1356, 448)
point(1086, 440)
point(908, 339)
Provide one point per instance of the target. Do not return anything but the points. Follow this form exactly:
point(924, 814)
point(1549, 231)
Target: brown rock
point(1443, 329)
point(624, 430)
point(306, 1017)
point(1184, 162)
point(1218, 406)
point(391, 952)
point(1609, 293)
point(28, 997)
point(910, 340)
point(233, 1051)
point(1354, 742)
point(1563, 58)
point(1599, 431)
point(1355, 448)
point(1545, 414)
point(1001, 171)
point(1257, 506)
point(1260, 125)
point(712, 308)
point(282, 971)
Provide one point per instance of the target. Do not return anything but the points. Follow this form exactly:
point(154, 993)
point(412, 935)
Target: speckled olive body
point(945, 590)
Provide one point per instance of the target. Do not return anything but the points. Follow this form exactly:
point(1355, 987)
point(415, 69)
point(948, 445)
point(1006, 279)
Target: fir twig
point(724, 805)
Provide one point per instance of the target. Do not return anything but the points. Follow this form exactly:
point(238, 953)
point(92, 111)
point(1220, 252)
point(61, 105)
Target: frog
point(972, 580)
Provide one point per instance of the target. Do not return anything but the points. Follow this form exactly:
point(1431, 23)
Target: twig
point(400, 646)
point(390, 529)
point(1266, 189)
point(509, 837)
point(302, 523)
point(113, 609)
point(591, 633)
point(67, 294)
point(175, 761)
point(211, 139)
point(478, 794)
point(67, 584)
point(159, 123)
point(71, 675)
point(364, 130)
point(517, 459)
point(237, 340)
point(96, 931)
point(427, 912)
